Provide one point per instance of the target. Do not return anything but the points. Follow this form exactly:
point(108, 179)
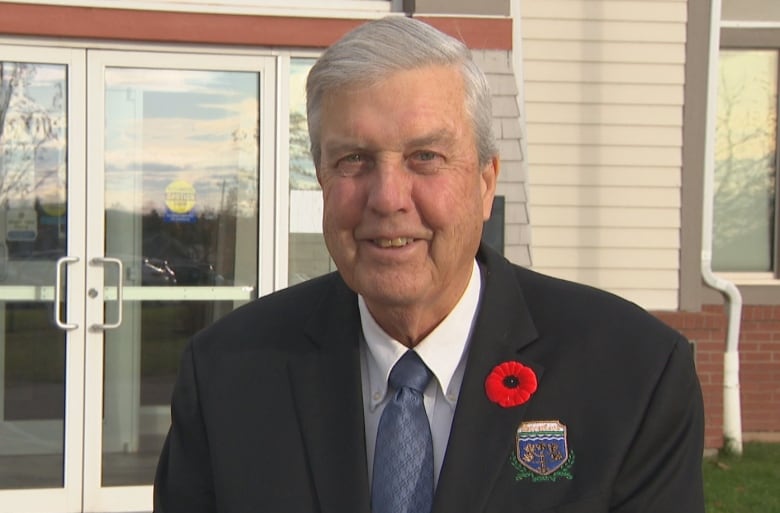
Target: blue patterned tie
point(403, 458)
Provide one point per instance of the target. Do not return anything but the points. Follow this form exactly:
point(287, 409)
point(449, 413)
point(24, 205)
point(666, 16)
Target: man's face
point(404, 194)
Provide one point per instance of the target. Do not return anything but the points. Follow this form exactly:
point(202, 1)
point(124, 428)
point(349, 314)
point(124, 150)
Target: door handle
point(58, 292)
point(119, 291)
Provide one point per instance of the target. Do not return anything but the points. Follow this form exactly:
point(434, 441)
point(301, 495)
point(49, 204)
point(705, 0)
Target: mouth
point(397, 242)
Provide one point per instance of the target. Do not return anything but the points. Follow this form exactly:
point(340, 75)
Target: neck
point(409, 323)
point(407, 326)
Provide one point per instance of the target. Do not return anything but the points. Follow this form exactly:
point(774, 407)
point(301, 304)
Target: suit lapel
point(483, 433)
point(327, 387)
point(328, 393)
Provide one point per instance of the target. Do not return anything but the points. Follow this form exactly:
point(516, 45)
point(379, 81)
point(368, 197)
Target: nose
point(390, 187)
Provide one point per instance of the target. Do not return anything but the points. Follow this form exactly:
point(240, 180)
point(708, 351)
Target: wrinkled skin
point(404, 194)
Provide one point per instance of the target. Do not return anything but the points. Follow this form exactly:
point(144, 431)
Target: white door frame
point(69, 497)
point(98, 498)
point(82, 490)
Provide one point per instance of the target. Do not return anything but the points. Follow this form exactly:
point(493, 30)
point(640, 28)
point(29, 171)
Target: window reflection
point(32, 161)
point(308, 256)
point(746, 154)
point(182, 175)
point(33, 226)
point(181, 195)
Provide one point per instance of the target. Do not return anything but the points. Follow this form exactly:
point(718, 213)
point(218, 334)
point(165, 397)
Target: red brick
point(759, 364)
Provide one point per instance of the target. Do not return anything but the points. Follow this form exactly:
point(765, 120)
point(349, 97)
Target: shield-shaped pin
point(542, 446)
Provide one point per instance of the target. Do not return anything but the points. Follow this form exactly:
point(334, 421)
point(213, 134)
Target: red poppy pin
point(510, 384)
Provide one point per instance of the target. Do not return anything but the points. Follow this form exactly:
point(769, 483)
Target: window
point(746, 162)
point(308, 256)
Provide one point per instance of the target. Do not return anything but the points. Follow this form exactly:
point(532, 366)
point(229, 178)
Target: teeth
point(393, 243)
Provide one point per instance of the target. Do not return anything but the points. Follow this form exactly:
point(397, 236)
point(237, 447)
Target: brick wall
point(759, 348)
point(760, 369)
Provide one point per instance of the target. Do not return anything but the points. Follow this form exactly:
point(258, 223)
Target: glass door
point(130, 217)
point(42, 323)
point(178, 163)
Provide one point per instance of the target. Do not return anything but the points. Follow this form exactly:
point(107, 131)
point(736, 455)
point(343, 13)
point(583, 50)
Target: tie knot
point(410, 372)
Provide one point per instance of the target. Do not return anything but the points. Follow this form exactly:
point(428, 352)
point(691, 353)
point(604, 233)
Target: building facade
point(616, 102)
point(154, 175)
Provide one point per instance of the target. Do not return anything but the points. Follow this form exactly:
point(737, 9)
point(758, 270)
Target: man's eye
point(352, 164)
point(425, 155)
point(355, 157)
point(425, 161)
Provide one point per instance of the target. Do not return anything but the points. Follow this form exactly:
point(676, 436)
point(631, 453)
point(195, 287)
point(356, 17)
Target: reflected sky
point(747, 103)
point(198, 127)
point(161, 126)
point(299, 69)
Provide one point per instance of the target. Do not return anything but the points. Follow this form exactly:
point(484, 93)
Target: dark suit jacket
point(268, 413)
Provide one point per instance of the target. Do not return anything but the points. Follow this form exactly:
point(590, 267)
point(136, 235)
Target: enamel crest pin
point(542, 452)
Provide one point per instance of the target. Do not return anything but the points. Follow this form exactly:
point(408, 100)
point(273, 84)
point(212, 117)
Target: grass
point(747, 484)
point(35, 348)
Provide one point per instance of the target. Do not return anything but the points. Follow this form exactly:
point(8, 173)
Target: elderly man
point(428, 373)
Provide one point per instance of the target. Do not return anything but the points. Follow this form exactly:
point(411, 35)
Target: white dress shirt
point(442, 351)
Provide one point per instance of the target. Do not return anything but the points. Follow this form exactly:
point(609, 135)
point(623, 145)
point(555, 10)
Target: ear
point(488, 179)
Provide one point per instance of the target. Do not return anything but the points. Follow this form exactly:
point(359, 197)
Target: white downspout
point(732, 410)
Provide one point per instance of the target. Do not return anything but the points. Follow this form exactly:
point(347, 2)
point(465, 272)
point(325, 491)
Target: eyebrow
point(347, 145)
point(339, 146)
point(439, 136)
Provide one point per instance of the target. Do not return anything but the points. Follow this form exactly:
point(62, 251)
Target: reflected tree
point(27, 129)
point(302, 174)
point(745, 171)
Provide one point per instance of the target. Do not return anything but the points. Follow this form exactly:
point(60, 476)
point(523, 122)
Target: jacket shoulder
point(280, 315)
point(575, 311)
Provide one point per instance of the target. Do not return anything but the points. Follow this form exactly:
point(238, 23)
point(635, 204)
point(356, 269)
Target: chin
point(387, 289)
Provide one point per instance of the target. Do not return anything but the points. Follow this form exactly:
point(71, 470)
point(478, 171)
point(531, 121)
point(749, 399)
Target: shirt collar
point(442, 350)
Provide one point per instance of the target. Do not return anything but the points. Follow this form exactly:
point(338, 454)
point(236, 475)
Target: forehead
point(403, 100)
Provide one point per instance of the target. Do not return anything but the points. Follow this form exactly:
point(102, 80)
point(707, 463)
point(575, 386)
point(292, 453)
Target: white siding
point(604, 86)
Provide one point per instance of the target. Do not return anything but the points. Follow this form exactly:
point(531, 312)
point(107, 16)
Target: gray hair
point(397, 43)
